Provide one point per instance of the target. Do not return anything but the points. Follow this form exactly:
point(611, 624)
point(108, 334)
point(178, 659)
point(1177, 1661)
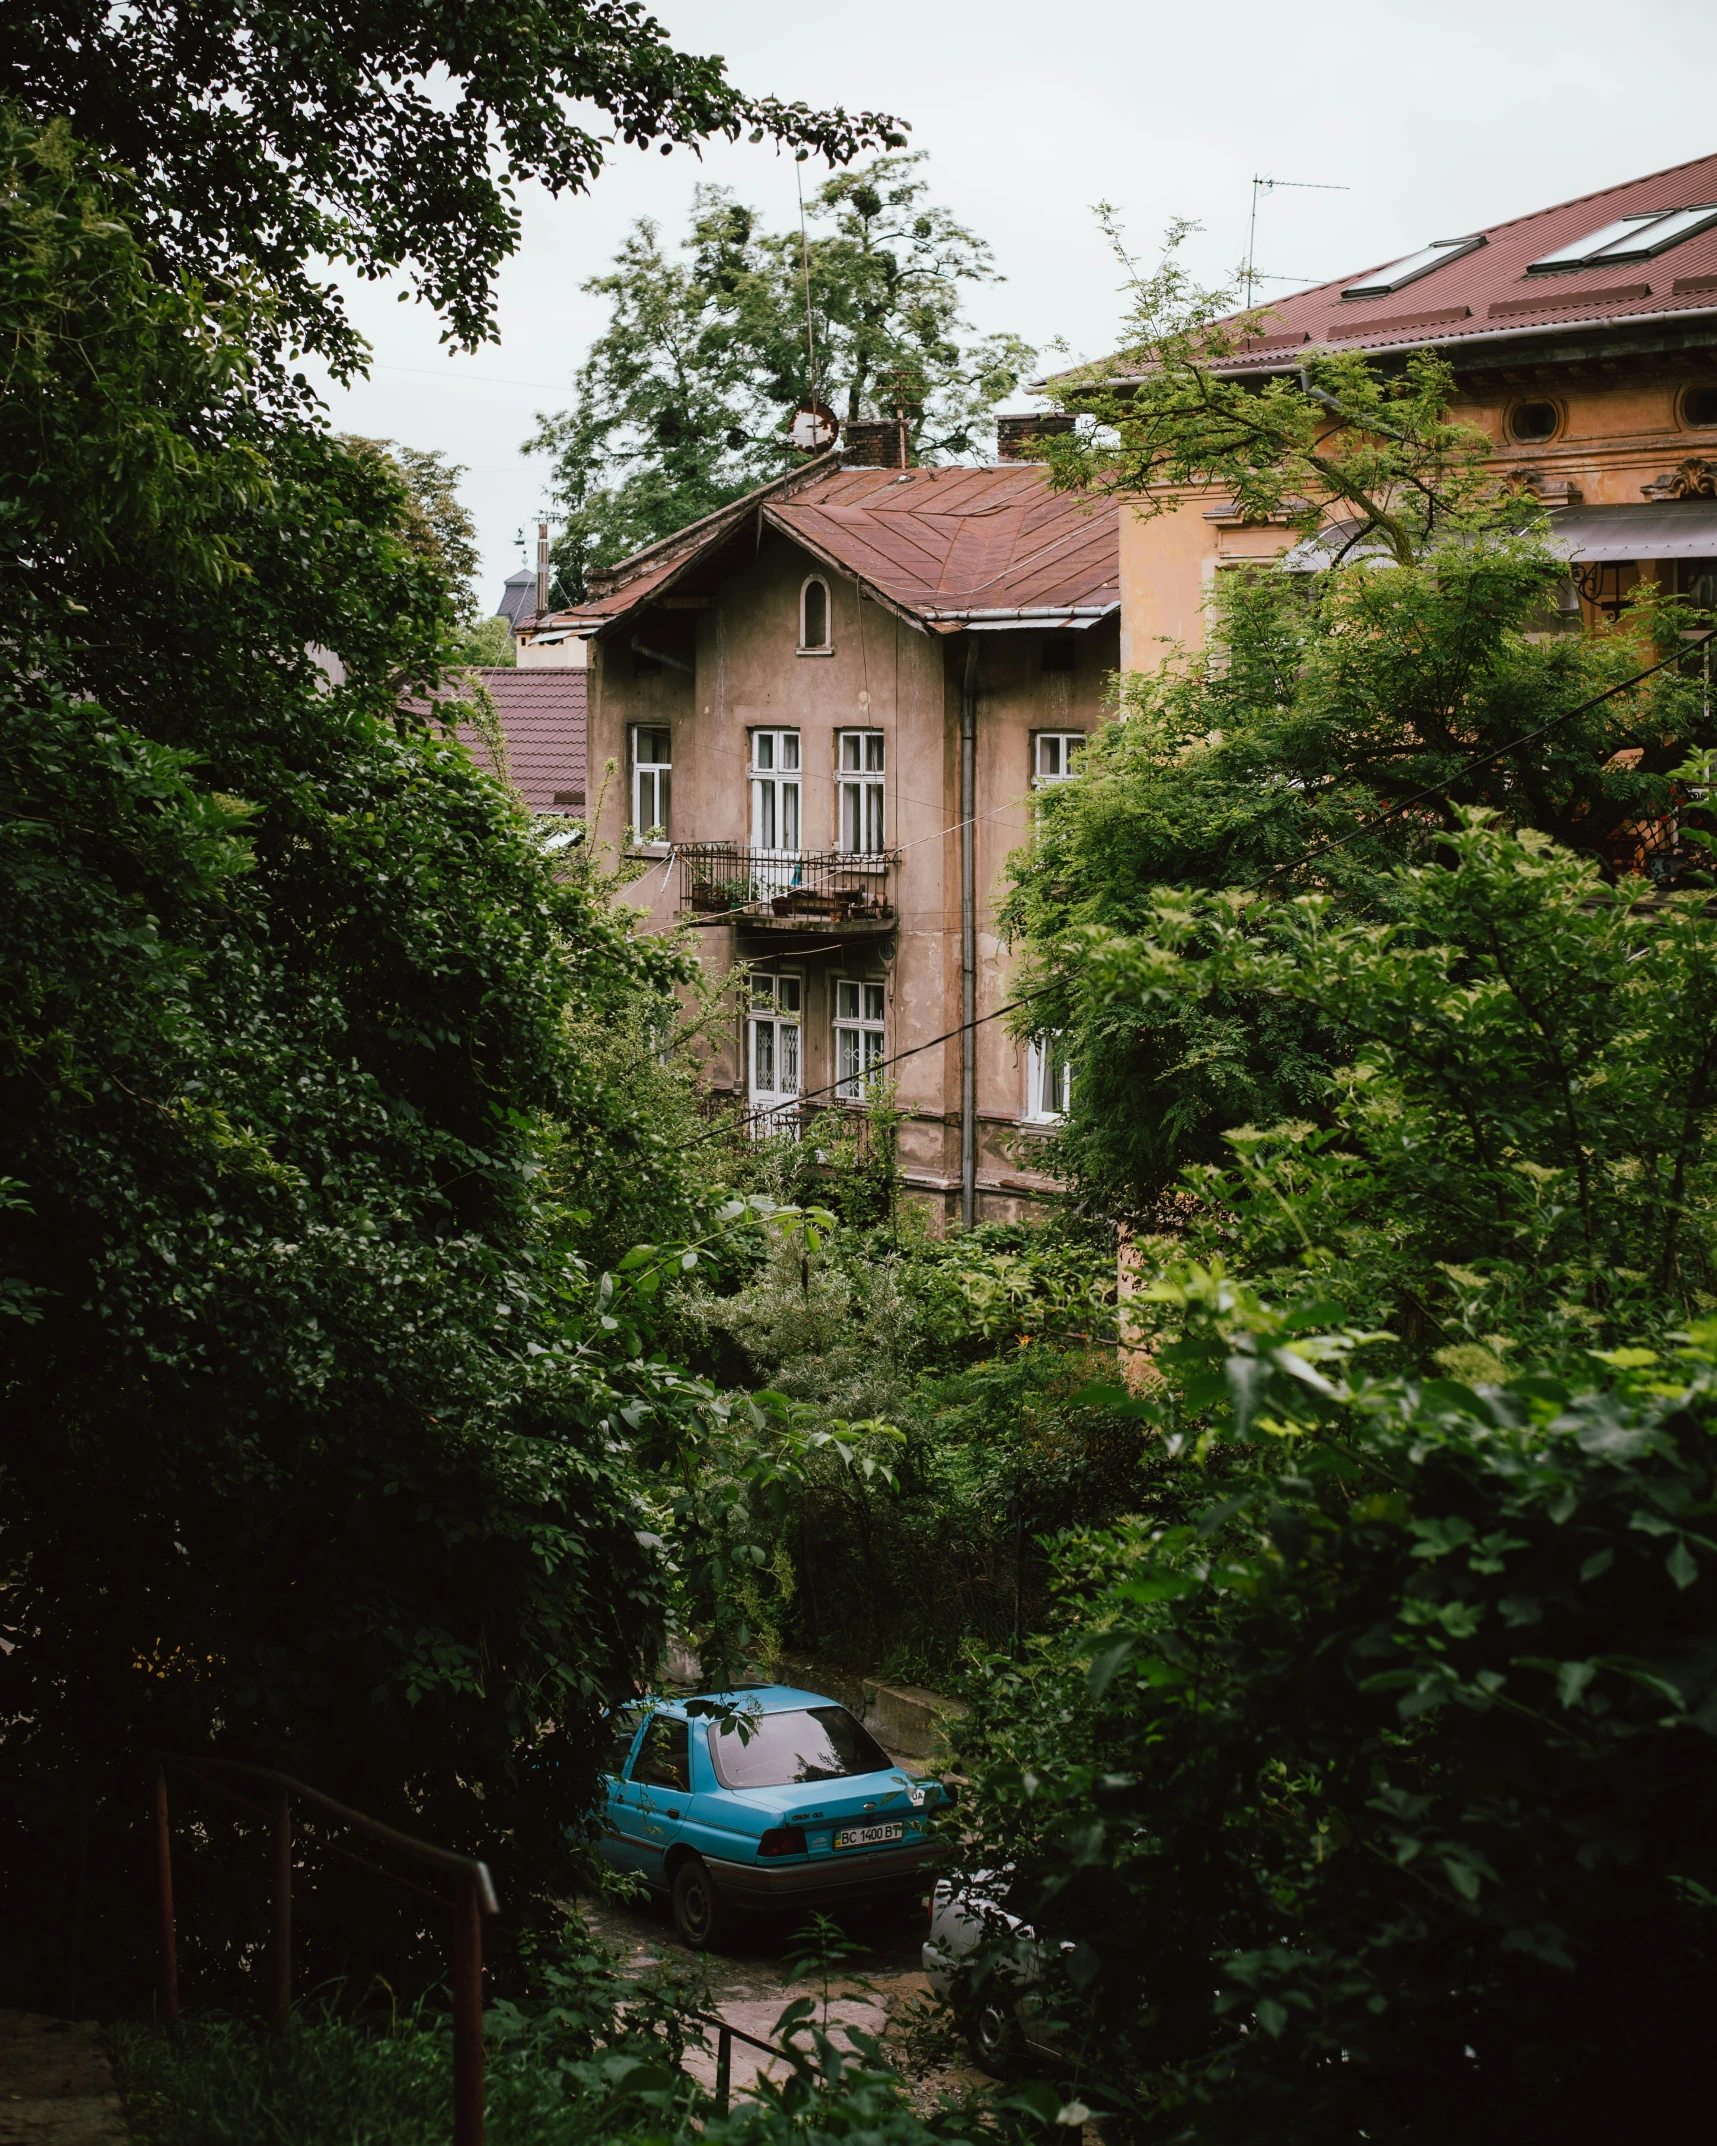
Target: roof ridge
point(610, 580)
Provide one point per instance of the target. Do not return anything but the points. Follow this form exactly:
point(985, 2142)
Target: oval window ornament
point(814, 427)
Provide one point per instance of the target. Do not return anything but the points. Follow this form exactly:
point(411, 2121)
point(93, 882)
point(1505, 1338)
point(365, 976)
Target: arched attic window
point(815, 638)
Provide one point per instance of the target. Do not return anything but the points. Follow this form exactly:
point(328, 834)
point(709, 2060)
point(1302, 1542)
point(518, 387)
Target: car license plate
point(868, 1836)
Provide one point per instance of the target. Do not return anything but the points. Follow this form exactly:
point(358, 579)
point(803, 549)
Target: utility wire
point(1044, 990)
point(775, 1110)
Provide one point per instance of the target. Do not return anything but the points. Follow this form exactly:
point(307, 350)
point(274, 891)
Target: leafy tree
point(1334, 728)
point(1347, 709)
point(268, 139)
point(685, 400)
point(438, 524)
point(1364, 1781)
point(488, 640)
point(1515, 1148)
point(1162, 415)
point(315, 1423)
point(1363, 1767)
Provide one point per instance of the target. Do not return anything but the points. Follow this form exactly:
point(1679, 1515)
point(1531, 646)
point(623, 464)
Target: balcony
point(820, 891)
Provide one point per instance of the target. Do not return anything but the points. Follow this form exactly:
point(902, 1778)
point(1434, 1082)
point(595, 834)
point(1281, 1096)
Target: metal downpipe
point(969, 938)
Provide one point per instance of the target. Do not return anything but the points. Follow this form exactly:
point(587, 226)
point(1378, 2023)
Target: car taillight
point(782, 1840)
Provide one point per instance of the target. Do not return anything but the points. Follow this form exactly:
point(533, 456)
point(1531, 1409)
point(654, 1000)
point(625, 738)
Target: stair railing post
point(467, 2015)
point(282, 1911)
point(723, 2070)
point(164, 1879)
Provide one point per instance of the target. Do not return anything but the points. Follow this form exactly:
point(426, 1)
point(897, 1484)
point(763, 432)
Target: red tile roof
point(542, 718)
point(934, 543)
point(1487, 293)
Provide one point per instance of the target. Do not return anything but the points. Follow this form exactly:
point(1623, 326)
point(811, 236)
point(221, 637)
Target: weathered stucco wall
point(738, 629)
point(1616, 435)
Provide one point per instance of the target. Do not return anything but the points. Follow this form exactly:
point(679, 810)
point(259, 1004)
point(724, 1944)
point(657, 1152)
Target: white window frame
point(861, 810)
point(658, 775)
point(826, 646)
point(1066, 744)
point(774, 1050)
point(777, 792)
point(860, 1021)
point(1048, 1080)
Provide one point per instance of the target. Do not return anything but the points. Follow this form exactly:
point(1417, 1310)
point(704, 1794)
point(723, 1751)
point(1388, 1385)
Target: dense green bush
point(1370, 1779)
point(584, 2055)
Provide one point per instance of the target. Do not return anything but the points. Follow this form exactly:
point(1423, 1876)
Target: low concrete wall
point(906, 1719)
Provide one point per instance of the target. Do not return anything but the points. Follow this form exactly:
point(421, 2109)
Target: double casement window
point(772, 1034)
point(859, 779)
point(652, 779)
point(858, 1037)
point(775, 789)
point(1048, 1081)
point(1054, 756)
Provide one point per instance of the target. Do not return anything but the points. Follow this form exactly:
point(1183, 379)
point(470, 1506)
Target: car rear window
point(816, 1743)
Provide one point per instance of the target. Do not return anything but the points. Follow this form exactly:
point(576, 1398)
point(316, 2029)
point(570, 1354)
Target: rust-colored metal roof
point(947, 543)
point(937, 544)
point(1487, 294)
point(542, 718)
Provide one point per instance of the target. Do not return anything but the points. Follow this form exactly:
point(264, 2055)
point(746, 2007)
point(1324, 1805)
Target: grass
point(331, 2081)
point(590, 2059)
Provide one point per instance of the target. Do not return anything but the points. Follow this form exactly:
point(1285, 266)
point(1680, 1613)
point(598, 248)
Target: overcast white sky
point(1436, 119)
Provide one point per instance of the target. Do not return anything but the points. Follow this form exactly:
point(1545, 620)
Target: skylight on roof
point(1629, 238)
point(1413, 267)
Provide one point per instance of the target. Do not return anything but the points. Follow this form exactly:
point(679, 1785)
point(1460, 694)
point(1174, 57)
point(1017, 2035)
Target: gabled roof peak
point(939, 546)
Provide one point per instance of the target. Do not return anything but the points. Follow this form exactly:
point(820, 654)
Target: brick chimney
point(1018, 438)
point(873, 443)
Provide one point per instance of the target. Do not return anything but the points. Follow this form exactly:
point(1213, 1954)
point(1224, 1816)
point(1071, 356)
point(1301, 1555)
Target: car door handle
point(670, 1814)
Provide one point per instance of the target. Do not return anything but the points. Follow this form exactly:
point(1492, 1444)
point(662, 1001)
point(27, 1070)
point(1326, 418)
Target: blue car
point(764, 1797)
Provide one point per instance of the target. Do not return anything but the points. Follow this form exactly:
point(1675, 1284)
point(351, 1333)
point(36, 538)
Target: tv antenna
point(1250, 273)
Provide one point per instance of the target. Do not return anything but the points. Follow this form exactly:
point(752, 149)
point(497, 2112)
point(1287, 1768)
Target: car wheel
point(993, 2036)
point(698, 1913)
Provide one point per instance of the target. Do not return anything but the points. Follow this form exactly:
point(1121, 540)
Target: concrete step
point(56, 2084)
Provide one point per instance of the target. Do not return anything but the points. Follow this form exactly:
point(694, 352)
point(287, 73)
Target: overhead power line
point(1026, 998)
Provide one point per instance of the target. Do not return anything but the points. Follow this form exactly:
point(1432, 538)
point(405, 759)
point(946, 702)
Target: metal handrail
point(473, 1897)
point(812, 886)
point(726, 2036)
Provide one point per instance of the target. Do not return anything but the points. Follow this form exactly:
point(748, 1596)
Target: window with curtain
point(859, 765)
point(652, 779)
point(1048, 1081)
point(772, 1037)
point(1055, 754)
point(858, 1036)
point(776, 776)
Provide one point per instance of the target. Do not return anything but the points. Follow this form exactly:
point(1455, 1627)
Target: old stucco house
point(828, 707)
point(827, 710)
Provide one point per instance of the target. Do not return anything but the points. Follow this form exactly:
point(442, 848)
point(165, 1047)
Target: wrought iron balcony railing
point(808, 890)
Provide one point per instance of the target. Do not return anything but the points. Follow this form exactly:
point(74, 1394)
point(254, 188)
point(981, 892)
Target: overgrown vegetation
point(586, 2055)
point(395, 1355)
